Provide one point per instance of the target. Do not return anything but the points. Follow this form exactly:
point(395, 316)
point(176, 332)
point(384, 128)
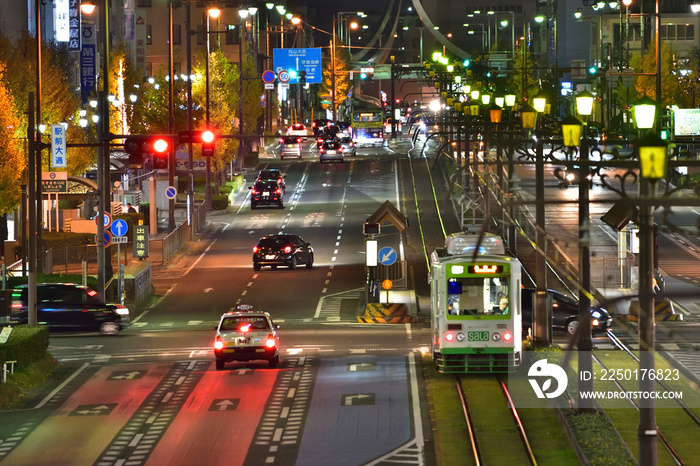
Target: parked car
point(266, 192)
point(348, 146)
point(245, 334)
point(564, 313)
point(67, 306)
point(272, 174)
point(283, 249)
point(331, 149)
point(290, 146)
point(298, 129)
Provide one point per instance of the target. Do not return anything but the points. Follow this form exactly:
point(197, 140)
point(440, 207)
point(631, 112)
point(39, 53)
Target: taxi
point(244, 334)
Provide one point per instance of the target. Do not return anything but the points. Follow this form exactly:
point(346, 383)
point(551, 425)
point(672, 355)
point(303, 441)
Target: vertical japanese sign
point(74, 25)
point(140, 241)
point(140, 39)
point(58, 146)
point(88, 61)
point(61, 14)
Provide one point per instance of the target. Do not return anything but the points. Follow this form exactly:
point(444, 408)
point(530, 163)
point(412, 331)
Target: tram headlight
point(496, 336)
point(460, 336)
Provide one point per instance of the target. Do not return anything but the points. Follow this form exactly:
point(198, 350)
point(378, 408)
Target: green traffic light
point(592, 70)
point(466, 63)
point(363, 75)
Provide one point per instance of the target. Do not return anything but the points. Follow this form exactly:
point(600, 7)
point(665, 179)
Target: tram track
point(490, 435)
point(691, 415)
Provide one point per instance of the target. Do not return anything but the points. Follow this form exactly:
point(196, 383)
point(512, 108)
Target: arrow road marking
point(207, 290)
point(127, 376)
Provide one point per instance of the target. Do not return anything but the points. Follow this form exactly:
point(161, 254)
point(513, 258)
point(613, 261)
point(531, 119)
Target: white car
point(297, 129)
point(246, 335)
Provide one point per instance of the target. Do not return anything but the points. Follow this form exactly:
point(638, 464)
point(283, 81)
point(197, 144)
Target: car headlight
point(123, 311)
point(596, 314)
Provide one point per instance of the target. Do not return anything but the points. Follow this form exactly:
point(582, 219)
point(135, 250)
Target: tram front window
point(477, 296)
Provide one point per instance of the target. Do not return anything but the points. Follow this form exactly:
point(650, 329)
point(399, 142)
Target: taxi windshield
point(238, 322)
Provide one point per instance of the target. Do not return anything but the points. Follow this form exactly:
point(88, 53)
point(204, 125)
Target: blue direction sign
point(119, 227)
point(268, 76)
point(387, 256)
point(308, 60)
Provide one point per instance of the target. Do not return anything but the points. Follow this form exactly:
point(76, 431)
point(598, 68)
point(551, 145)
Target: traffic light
point(194, 137)
point(593, 71)
point(208, 143)
point(140, 146)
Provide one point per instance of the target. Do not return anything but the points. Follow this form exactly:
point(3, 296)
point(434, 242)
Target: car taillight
point(321, 149)
point(218, 344)
point(270, 342)
point(16, 305)
point(255, 249)
point(281, 141)
point(287, 249)
point(253, 192)
point(279, 180)
point(298, 139)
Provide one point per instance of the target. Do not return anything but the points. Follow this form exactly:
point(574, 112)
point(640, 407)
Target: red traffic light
point(160, 146)
point(208, 136)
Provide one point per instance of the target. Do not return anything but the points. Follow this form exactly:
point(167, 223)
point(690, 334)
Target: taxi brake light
point(218, 344)
point(270, 342)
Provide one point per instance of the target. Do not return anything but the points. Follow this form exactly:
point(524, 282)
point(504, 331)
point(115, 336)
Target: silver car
point(290, 146)
point(348, 146)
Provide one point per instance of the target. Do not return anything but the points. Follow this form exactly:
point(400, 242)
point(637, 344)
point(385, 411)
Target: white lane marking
point(199, 258)
point(60, 387)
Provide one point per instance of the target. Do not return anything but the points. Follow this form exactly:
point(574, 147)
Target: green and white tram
point(476, 305)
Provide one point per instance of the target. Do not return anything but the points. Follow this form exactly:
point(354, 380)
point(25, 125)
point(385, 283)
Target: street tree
point(342, 78)
point(12, 161)
point(646, 85)
point(522, 81)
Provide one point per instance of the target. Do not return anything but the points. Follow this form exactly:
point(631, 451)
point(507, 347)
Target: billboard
point(686, 122)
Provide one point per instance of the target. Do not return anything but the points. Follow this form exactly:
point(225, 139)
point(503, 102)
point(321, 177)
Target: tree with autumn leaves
point(342, 78)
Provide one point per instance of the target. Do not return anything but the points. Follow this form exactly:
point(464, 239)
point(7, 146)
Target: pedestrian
point(130, 209)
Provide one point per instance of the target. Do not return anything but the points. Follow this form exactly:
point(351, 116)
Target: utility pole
point(335, 110)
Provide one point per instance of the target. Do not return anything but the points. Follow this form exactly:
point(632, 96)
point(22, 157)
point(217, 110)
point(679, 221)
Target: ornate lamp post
point(652, 160)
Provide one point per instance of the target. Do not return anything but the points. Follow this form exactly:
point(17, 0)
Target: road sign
point(308, 59)
point(107, 220)
point(120, 239)
point(107, 239)
point(54, 182)
point(284, 85)
point(269, 86)
point(386, 284)
point(141, 241)
point(170, 192)
point(284, 76)
point(119, 227)
point(387, 256)
point(268, 76)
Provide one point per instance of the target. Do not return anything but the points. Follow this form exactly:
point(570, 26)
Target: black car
point(272, 174)
point(283, 249)
point(67, 306)
point(266, 192)
point(321, 125)
point(564, 313)
point(331, 149)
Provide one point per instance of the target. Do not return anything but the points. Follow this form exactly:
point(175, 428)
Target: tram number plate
point(477, 336)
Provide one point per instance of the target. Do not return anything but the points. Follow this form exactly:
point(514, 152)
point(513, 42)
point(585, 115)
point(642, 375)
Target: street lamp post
point(652, 159)
point(242, 14)
point(584, 106)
